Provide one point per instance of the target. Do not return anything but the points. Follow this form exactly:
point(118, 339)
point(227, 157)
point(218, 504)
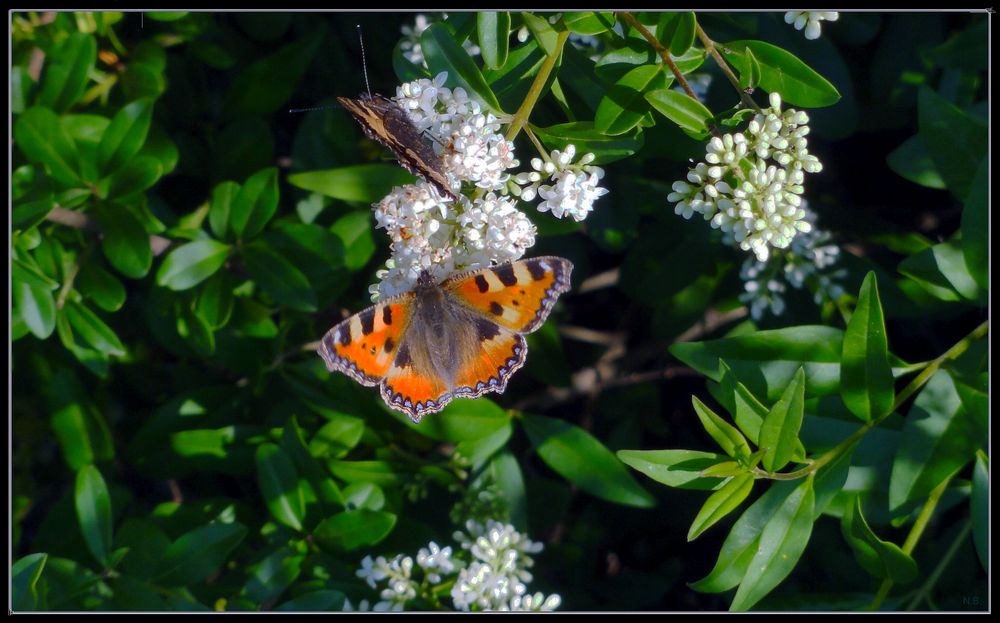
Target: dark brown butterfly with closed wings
point(385, 122)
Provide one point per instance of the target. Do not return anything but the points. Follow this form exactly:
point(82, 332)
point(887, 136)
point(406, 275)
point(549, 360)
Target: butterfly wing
point(412, 386)
point(499, 353)
point(388, 124)
point(516, 295)
point(365, 345)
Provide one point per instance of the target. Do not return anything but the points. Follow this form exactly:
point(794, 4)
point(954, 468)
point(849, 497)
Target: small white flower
point(574, 187)
point(810, 20)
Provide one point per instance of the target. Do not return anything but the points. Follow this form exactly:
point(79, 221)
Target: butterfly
point(385, 122)
point(460, 338)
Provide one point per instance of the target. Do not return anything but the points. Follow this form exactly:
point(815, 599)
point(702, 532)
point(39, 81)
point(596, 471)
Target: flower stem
point(941, 566)
point(535, 92)
point(721, 62)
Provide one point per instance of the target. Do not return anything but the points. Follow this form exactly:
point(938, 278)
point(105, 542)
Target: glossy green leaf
point(93, 511)
point(783, 72)
point(577, 456)
point(190, 264)
point(355, 529)
point(980, 509)
point(220, 208)
point(67, 72)
point(624, 104)
point(198, 554)
point(35, 303)
point(196, 332)
point(337, 437)
point(781, 543)
point(956, 140)
point(493, 29)
point(279, 278)
point(976, 227)
point(912, 161)
point(676, 31)
point(866, 382)
point(293, 443)
point(939, 438)
point(28, 214)
point(589, 22)
point(725, 434)
point(442, 53)
point(92, 329)
point(881, 559)
point(254, 204)
point(721, 503)
point(142, 79)
point(779, 432)
point(132, 178)
point(125, 242)
point(465, 420)
point(354, 230)
point(24, 576)
point(942, 271)
point(363, 183)
point(379, 472)
point(81, 432)
point(481, 449)
point(125, 136)
point(541, 31)
point(270, 577)
point(364, 495)
point(588, 140)
point(40, 134)
point(100, 286)
point(215, 300)
point(279, 486)
point(766, 361)
point(689, 114)
point(683, 469)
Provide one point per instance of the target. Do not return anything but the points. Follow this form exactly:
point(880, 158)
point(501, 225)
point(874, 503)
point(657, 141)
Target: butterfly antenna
point(295, 110)
point(364, 64)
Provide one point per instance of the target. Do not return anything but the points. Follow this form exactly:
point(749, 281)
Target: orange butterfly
point(463, 337)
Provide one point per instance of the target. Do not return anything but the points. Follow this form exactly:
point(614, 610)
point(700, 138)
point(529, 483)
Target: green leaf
point(40, 134)
point(379, 472)
point(781, 543)
point(683, 469)
point(316, 601)
point(125, 136)
point(254, 204)
point(912, 161)
point(443, 54)
point(81, 432)
point(721, 503)
point(588, 22)
point(782, 72)
point(689, 114)
point(866, 382)
point(941, 270)
point(363, 183)
point(221, 206)
point(280, 486)
point(976, 227)
point(125, 242)
point(28, 214)
point(354, 230)
point(196, 332)
point(583, 460)
point(980, 509)
point(481, 449)
point(493, 29)
point(100, 286)
point(503, 471)
point(293, 443)
point(939, 438)
point(92, 329)
point(146, 543)
point(279, 278)
point(676, 31)
point(726, 435)
point(271, 576)
point(464, 420)
point(198, 554)
point(624, 104)
point(541, 31)
point(267, 83)
point(192, 263)
point(363, 495)
point(780, 431)
point(34, 301)
point(337, 437)
point(881, 559)
point(766, 361)
point(957, 141)
point(24, 576)
point(93, 511)
point(132, 178)
point(215, 300)
point(355, 529)
point(588, 140)
point(67, 72)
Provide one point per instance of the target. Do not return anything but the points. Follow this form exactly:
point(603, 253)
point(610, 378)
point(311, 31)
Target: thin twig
point(724, 66)
point(663, 52)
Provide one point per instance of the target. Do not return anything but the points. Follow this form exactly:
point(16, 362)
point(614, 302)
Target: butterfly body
point(386, 123)
point(461, 338)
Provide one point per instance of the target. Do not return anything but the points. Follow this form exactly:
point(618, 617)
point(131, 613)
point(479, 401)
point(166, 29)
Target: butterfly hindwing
point(365, 345)
point(411, 387)
point(499, 353)
point(385, 122)
point(516, 295)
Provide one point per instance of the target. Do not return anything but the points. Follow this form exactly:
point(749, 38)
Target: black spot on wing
point(367, 321)
point(496, 309)
point(482, 284)
point(486, 330)
point(387, 315)
point(536, 269)
point(403, 357)
point(505, 273)
point(344, 334)
point(389, 344)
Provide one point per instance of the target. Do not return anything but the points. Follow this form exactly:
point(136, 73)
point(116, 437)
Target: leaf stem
point(941, 566)
point(663, 52)
point(721, 62)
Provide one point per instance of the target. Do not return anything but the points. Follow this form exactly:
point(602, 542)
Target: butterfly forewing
point(385, 122)
point(516, 295)
point(365, 345)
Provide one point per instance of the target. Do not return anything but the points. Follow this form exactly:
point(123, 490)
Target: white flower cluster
point(809, 262)
point(810, 21)
point(574, 186)
point(495, 578)
point(441, 235)
point(750, 184)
